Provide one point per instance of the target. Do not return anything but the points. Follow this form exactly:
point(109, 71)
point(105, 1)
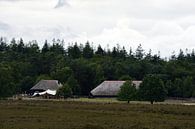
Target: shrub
point(64, 91)
point(127, 92)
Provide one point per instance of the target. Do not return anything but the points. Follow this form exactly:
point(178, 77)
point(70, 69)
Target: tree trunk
point(128, 101)
point(151, 102)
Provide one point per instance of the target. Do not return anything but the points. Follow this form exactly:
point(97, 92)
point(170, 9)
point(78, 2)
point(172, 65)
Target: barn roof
point(46, 84)
point(110, 88)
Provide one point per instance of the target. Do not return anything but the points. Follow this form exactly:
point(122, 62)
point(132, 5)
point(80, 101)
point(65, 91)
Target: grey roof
point(111, 88)
point(46, 84)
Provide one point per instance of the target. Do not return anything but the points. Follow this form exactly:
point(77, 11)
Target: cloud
point(4, 29)
point(12, 0)
point(61, 3)
point(4, 26)
point(166, 28)
point(121, 34)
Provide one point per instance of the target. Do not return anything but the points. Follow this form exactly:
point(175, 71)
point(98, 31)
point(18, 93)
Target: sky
point(160, 25)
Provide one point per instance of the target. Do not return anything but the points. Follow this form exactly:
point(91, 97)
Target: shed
point(45, 85)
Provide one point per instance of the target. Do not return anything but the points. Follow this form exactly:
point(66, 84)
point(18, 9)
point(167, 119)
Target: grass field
point(86, 115)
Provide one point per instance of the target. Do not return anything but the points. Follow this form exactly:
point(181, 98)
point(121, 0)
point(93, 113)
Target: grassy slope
point(82, 115)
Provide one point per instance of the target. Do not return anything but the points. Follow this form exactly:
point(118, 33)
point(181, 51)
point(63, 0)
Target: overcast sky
point(162, 25)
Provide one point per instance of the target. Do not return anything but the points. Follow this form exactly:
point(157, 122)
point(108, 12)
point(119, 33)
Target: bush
point(127, 92)
point(64, 91)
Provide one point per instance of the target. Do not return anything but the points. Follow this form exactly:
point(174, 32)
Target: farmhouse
point(45, 88)
point(110, 88)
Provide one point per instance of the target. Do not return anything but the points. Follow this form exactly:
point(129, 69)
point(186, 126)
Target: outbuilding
point(45, 88)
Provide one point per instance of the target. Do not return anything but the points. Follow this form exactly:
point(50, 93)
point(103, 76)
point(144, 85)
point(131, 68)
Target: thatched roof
point(47, 84)
point(110, 88)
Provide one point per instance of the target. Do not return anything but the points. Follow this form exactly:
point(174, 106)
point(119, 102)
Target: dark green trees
point(127, 92)
point(188, 87)
point(84, 73)
point(45, 47)
point(87, 51)
point(152, 89)
point(125, 78)
point(26, 83)
point(72, 82)
point(139, 53)
point(80, 64)
point(100, 51)
point(6, 85)
point(3, 45)
point(182, 88)
point(74, 51)
point(62, 74)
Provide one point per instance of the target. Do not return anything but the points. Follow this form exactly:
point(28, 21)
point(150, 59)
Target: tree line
point(82, 67)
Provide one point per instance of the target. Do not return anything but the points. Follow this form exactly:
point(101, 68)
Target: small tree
point(64, 91)
point(152, 89)
point(127, 92)
point(87, 51)
point(139, 53)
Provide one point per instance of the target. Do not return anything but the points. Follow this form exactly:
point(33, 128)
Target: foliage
point(26, 84)
point(85, 75)
point(72, 82)
point(188, 87)
point(152, 89)
point(74, 51)
point(100, 51)
point(6, 88)
point(28, 64)
point(62, 74)
point(139, 52)
point(43, 77)
point(125, 78)
point(181, 87)
point(127, 92)
point(87, 51)
point(65, 91)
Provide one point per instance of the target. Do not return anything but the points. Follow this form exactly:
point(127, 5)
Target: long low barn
point(110, 88)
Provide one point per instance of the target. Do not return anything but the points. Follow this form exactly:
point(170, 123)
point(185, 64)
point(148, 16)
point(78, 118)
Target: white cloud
point(121, 34)
point(166, 28)
point(4, 26)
